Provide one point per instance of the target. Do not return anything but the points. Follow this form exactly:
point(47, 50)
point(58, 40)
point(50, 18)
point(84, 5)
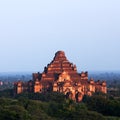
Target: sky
point(32, 31)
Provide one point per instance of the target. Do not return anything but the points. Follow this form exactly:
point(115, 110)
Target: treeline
point(108, 106)
point(55, 106)
point(23, 109)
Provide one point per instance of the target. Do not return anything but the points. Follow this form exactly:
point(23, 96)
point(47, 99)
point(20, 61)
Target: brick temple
point(62, 76)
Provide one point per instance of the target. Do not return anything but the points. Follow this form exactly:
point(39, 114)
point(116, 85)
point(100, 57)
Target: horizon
point(31, 32)
point(79, 71)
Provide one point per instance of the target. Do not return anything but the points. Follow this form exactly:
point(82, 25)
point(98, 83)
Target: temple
point(62, 76)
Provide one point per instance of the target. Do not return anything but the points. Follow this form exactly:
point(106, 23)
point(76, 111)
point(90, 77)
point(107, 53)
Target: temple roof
point(60, 55)
point(58, 65)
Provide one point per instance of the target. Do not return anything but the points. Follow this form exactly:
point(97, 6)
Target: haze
point(31, 31)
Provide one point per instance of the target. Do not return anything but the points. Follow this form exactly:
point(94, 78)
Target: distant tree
point(7, 93)
point(14, 112)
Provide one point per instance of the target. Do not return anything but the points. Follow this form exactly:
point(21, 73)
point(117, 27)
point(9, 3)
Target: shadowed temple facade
point(62, 76)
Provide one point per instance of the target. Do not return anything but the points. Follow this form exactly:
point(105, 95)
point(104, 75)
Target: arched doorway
point(78, 96)
point(68, 93)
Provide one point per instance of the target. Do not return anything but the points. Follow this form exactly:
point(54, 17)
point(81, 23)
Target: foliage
point(54, 106)
point(103, 104)
point(6, 93)
point(49, 96)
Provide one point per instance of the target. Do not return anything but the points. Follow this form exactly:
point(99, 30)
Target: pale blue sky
point(31, 31)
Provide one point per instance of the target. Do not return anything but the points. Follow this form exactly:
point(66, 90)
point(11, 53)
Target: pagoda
point(62, 76)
